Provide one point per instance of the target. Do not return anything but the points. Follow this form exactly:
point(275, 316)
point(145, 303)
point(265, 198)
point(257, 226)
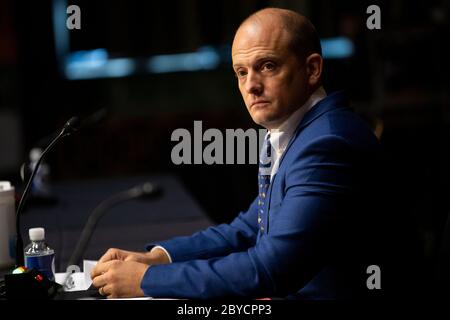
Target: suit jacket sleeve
point(282, 261)
point(216, 241)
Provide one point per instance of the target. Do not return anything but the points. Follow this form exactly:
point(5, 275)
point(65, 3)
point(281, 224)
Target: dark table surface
point(129, 225)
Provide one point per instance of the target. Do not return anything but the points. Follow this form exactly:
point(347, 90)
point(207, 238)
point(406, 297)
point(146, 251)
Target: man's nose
point(253, 84)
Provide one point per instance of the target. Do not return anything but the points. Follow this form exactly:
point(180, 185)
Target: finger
point(110, 254)
point(108, 291)
point(102, 268)
point(99, 281)
point(130, 257)
point(134, 257)
point(140, 257)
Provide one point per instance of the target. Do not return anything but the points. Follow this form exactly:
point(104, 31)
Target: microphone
point(83, 121)
point(71, 126)
point(74, 124)
point(147, 191)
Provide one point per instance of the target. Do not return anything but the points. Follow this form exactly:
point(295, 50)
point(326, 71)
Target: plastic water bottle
point(39, 255)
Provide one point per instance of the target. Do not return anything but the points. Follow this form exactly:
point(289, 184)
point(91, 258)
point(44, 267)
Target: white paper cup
point(7, 224)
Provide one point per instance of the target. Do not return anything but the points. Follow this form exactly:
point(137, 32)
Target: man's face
point(271, 79)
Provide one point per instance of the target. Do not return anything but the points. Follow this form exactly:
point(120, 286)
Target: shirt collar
point(280, 137)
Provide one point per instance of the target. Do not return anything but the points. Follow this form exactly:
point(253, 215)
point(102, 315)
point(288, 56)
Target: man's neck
point(295, 117)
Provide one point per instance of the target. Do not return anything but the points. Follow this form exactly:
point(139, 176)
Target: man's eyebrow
point(258, 59)
point(267, 57)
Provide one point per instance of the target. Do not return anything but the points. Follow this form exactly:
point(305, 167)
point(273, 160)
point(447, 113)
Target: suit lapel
point(333, 101)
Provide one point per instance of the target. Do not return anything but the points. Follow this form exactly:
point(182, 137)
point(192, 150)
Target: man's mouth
point(259, 104)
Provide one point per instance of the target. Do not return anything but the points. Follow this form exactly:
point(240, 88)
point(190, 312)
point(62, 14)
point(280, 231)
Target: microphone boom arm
point(70, 127)
point(147, 189)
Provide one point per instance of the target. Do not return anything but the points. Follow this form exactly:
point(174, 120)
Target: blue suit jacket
point(318, 223)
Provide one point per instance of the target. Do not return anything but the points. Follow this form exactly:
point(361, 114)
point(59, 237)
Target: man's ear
point(314, 64)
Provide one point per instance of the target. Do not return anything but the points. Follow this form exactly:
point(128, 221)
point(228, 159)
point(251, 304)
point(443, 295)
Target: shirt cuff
point(165, 251)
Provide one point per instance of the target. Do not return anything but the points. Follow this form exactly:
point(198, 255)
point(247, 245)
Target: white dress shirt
point(280, 137)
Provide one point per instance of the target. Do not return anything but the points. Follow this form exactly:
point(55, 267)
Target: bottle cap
point(6, 191)
point(35, 154)
point(36, 234)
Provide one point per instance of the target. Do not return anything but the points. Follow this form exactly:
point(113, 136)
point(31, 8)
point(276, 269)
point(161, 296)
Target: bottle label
point(45, 264)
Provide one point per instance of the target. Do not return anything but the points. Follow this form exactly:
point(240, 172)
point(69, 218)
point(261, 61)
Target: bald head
point(301, 35)
point(277, 61)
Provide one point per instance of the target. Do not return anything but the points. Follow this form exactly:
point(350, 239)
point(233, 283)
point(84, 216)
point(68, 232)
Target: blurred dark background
point(397, 78)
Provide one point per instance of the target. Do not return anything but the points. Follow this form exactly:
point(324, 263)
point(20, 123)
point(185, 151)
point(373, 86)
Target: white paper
point(81, 280)
point(88, 265)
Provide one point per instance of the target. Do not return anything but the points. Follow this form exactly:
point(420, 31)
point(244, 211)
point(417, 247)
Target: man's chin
point(264, 122)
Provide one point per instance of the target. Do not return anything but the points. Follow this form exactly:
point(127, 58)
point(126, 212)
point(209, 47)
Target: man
point(306, 233)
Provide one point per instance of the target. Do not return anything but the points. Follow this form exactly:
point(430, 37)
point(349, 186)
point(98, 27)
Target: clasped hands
point(118, 273)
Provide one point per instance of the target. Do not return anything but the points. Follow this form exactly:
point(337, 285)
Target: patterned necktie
point(265, 167)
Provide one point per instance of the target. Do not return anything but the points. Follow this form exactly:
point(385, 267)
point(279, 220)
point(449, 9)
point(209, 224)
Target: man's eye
point(269, 66)
point(241, 73)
